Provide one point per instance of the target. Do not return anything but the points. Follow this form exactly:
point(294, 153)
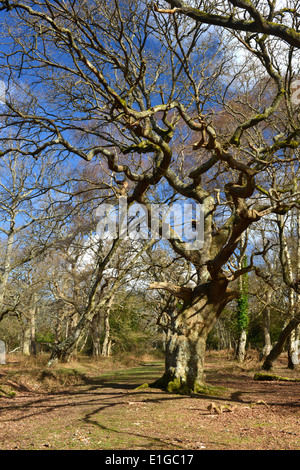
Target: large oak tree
point(176, 108)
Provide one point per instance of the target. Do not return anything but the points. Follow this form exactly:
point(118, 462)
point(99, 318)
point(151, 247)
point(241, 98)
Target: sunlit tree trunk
point(26, 339)
point(29, 328)
point(267, 344)
point(185, 349)
point(186, 343)
point(278, 347)
point(106, 347)
point(96, 332)
point(242, 314)
point(241, 349)
point(200, 308)
point(293, 349)
point(293, 320)
point(293, 344)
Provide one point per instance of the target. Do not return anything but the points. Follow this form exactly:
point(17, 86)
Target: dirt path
point(109, 412)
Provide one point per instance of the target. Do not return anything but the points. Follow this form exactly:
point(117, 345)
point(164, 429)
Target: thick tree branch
point(257, 25)
point(178, 291)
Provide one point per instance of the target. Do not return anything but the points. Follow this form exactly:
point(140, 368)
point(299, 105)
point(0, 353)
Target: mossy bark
point(185, 350)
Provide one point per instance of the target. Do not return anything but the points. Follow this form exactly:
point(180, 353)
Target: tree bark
point(257, 23)
point(241, 348)
point(29, 330)
point(96, 331)
point(278, 348)
point(242, 313)
point(106, 347)
point(185, 349)
point(293, 349)
point(267, 344)
point(26, 340)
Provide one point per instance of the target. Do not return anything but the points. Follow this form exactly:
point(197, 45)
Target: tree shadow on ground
point(128, 379)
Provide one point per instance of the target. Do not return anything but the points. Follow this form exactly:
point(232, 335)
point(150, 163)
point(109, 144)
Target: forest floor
point(98, 405)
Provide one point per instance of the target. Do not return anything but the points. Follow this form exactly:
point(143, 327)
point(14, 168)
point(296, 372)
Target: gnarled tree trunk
point(185, 350)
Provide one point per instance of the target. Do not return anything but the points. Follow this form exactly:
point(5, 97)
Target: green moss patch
point(273, 377)
point(181, 388)
point(7, 392)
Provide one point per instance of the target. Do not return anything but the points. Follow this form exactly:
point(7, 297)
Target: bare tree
point(279, 271)
point(272, 18)
point(291, 326)
point(27, 224)
point(162, 101)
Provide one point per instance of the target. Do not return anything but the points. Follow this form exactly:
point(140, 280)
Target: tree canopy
point(179, 109)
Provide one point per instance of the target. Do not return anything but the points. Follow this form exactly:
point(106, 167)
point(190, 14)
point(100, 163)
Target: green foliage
point(10, 331)
point(46, 337)
point(4, 391)
point(130, 331)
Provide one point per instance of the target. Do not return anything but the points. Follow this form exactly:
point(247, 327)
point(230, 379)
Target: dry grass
point(32, 374)
point(88, 404)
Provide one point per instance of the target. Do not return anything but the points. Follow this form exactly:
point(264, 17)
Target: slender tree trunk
point(293, 321)
point(33, 315)
point(96, 348)
point(106, 341)
point(267, 344)
point(106, 347)
point(293, 349)
point(57, 327)
point(242, 314)
point(224, 336)
point(29, 331)
point(63, 350)
point(241, 348)
point(278, 348)
point(96, 331)
point(26, 342)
